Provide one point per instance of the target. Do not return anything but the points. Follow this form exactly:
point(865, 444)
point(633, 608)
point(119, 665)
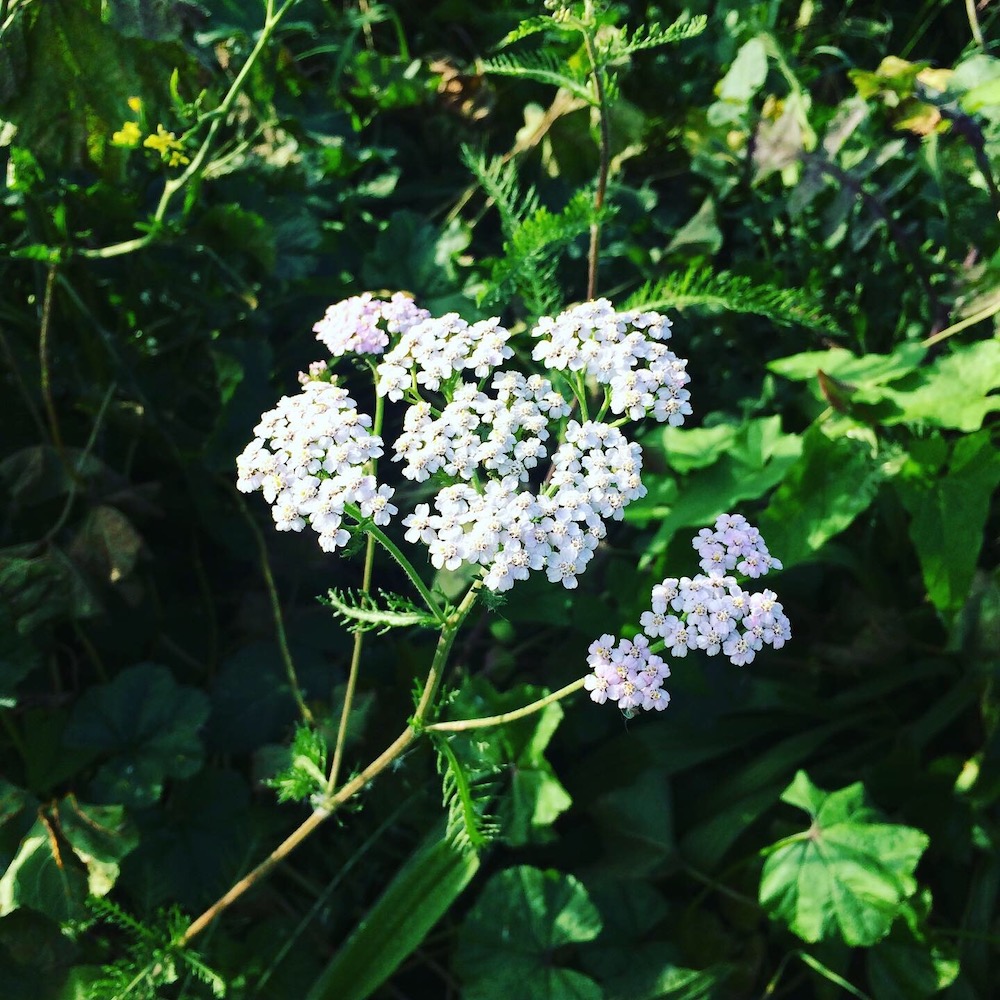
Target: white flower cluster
point(715, 614)
point(308, 457)
point(621, 350)
point(362, 324)
point(511, 531)
point(712, 613)
point(486, 432)
point(627, 673)
point(431, 352)
point(734, 544)
point(505, 435)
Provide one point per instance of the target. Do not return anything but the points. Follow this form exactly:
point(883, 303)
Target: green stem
point(978, 317)
point(174, 184)
point(331, 803)
point(366, 587)
point(352, 676)
point(374, 531)
point(605, 165)
point(451, 627)
point(279, 621)
point(77, 478)
point(43, 363)
point(461, 725)
point(977, 32)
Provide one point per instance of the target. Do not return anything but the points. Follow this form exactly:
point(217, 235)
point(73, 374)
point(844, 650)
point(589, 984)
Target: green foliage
point(154, 959)
point(360, 612)
point(522, 917)
point(809, 191)
point(467, 797)
point(145, 727)
point(412, 903)
point(849, 875)
point(305, 776)
point(701, 288)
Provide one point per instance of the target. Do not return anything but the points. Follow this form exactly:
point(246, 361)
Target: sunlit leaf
point(848, 875)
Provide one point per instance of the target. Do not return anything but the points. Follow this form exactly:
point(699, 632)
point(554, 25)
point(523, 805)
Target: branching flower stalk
point(523, 487)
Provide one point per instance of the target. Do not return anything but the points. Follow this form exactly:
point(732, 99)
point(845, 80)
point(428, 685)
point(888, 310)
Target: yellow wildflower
point(128, 135)
point(168, 146)
point(135, 103)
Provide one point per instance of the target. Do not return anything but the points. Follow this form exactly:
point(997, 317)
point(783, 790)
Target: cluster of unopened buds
point(528, 468)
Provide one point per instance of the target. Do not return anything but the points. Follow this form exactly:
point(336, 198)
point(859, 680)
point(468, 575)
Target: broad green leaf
point(637, 820)
point(508, 942)
point(534, 797)
point(106, 545)
point(750, 461)
point(40, 878)
point(948, 509)
point(903, 967)
point(194, 844)
point(148, 726)
point(78, 76)
point(414, 901)
point(860, 371)
point(34, 956)
point(958, 390)
point(833, 481)
point(628, 966)
point(100, 837)
point(18, 655)
point(848, 875)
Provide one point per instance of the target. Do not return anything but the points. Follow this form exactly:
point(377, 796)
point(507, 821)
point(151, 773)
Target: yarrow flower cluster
point(626, 672)
point(308, 457)
point(524, 486)
point(712, 613)
point(362, 324)
point(431, 352)
point(621, 350)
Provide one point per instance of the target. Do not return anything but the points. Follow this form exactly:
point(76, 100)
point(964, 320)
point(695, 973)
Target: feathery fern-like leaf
point(543, 67)
point(467, 797)
point(530, 253)
point(499, 182)
point(529, 26)
point(361, 612)
point(700, 288)
point(648, 36)
point(154, 958)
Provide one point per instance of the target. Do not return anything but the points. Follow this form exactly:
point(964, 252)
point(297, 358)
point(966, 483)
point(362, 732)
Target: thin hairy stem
point(977, 31)
point(461, 725)
point(366, 588)
point(352, 677)
point(950, 331)
point(332, 802)
point(279, 620)
point(43, 362)
point(297, 836)
point(383, 539)
point(602, 173)
point(448, 633)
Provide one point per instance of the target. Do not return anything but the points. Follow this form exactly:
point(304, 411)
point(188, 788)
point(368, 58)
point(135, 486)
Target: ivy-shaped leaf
point(148, 726)
point(848, 875)
point(509, 939)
